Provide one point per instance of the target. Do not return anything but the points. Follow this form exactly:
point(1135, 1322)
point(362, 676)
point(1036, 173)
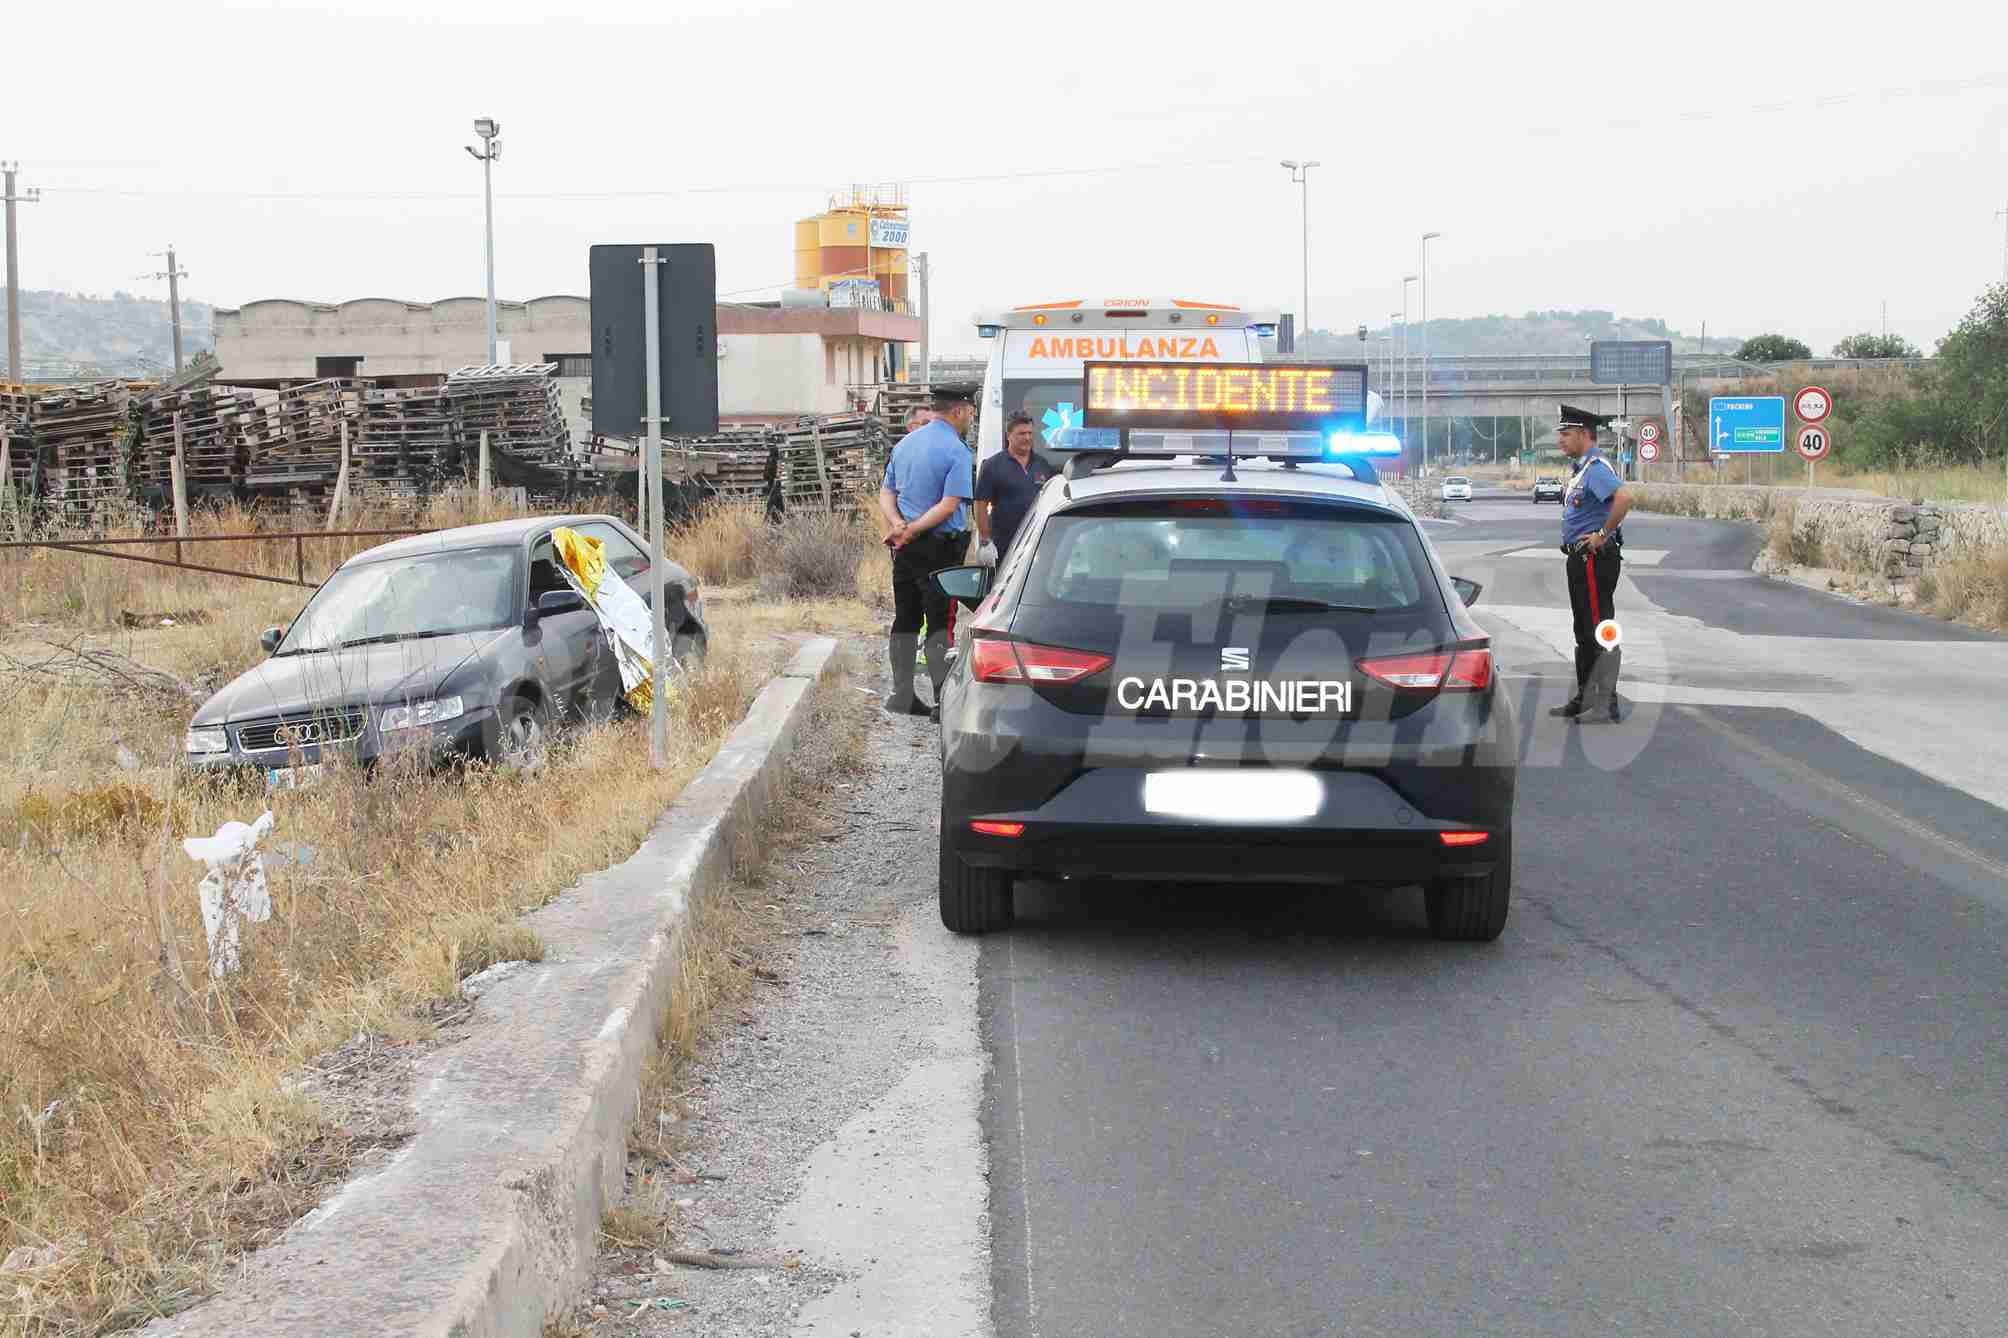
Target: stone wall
point(1852, 531)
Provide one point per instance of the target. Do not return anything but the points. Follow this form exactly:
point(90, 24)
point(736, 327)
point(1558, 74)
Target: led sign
point(1226, 396)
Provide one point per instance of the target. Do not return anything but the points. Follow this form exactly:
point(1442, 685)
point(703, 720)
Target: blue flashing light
point(1265, 331)
point(1363, 443)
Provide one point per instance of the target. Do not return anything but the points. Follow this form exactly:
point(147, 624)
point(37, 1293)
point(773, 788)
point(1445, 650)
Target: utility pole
point(13, 198)
point(1406, 280)
point(174, 274)
point(489, 129)
point(1300, 174)
point(920, 286)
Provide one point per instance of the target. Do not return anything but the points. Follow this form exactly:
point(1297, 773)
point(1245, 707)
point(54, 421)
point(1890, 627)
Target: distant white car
point(1456, 488)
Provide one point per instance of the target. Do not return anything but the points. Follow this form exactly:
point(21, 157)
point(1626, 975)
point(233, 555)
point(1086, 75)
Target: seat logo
point(1234, 659)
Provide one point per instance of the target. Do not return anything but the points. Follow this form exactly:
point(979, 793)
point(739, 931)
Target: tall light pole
point(1393, 322)
point(1423, 268)
point(1406, 280)
point(1300, 174)
point(14, 197)
point(491, 148)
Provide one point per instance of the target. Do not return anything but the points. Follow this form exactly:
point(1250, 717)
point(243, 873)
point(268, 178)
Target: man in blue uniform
point(924, 502)
point(1594, 505)
point(1007, 487)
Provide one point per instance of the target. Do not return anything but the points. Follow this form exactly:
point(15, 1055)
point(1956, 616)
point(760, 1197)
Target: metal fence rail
point(97, 548)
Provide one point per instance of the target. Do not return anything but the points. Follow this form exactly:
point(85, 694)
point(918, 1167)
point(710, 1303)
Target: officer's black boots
point(1570, 709)
point(901, 647)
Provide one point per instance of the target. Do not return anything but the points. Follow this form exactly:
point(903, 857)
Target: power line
point(1930, 88)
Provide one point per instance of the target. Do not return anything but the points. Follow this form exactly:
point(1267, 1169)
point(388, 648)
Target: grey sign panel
point(1631, 362)
point(687, 280)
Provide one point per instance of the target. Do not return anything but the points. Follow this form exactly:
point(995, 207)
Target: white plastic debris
point(127, 760)
point(234, 888)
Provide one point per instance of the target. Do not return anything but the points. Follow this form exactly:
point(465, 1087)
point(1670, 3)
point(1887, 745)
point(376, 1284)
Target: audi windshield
point(403, 599)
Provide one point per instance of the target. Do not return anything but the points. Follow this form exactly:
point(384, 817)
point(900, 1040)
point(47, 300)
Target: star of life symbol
point(1058, 419)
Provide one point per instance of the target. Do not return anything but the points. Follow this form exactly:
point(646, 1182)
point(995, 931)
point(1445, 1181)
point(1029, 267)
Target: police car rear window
point(1183, 554)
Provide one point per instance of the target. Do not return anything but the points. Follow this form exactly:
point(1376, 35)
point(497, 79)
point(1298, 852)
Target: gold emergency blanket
point(625, 618)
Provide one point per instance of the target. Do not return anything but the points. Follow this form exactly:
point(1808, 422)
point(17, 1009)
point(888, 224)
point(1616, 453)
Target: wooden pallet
point(516, 405)
point(826, 462)
point(215, 446)
point(87, 433)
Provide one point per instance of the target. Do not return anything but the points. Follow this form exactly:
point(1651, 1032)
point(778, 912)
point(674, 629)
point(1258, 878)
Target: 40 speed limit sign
point(1814, 442)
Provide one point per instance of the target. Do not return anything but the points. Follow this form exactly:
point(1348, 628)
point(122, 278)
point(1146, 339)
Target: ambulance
point(1037, 352)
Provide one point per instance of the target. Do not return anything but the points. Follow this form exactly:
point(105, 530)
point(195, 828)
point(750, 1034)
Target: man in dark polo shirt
point(1006, 488)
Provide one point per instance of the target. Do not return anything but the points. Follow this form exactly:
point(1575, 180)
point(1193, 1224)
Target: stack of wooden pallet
point(20, 444)
point(301, 449)
point(827, 462)
point(87, 430)
point(408, 437)
point(737, 463)
point(517, 406)
point(215, 436)
point(895, 400)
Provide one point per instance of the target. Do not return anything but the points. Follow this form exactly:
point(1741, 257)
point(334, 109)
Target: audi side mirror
point(269, 639)
point(1467, 590)
point(559, 601)
point(967, 585)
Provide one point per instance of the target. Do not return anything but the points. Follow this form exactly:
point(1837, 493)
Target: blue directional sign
point(1747, 425)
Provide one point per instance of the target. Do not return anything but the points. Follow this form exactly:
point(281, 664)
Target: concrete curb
point(487, 1222)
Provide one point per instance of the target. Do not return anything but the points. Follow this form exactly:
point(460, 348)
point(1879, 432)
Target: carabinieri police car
point(1222, 650)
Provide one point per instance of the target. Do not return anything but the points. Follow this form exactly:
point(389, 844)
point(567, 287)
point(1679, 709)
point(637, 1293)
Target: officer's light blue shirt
point(1586, 501)
point(931, 463)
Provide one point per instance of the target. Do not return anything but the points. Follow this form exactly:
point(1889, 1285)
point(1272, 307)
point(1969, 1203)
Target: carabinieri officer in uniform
point(924, 503)
point(1593, 509)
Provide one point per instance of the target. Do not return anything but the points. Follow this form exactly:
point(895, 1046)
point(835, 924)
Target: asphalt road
point(1736, 1067)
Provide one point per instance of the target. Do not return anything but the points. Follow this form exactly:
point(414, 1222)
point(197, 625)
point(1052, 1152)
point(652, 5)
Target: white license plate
point(1233, 795)
point(292, 778)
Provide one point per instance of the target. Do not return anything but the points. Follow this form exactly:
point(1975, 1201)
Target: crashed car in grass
point(462, 643)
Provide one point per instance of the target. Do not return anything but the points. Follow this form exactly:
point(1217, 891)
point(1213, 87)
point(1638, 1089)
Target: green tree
point(1773, 348)
point(1876, 346)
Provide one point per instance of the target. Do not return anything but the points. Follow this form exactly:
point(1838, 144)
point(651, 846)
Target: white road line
point(1633, 557)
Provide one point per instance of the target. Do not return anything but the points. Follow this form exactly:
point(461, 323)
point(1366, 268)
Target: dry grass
point(1972, 483)
point(809, 556)
point(150, 1132)
point(1972, 589)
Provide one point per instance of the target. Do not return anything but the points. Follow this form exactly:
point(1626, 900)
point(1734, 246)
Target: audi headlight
point(205, 741)
point(416, 715)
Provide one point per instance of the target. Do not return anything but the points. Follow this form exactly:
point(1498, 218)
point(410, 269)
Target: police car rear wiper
point(1291, 604)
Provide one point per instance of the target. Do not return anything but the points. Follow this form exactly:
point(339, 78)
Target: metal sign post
point(658, 719)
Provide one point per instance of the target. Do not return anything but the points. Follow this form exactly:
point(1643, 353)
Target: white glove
point(986, 554)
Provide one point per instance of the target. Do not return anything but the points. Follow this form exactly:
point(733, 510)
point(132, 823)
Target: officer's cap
point(948, 394)
point(1574, 417)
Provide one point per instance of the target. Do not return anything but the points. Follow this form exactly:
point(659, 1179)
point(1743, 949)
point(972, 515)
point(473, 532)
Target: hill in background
point(121, 335)
point(1535, 332)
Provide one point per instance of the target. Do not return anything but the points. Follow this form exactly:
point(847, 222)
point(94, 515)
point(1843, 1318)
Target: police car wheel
point(1472, 910)
point(974, 901)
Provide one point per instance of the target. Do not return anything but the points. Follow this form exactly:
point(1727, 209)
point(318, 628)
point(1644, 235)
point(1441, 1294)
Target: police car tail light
point(995, 661)
point(1433, 671)
point(1455, 839)
point(997, 828)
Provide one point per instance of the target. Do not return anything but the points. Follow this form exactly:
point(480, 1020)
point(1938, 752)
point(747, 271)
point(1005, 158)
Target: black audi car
point(1266, 677)
point(466, 642)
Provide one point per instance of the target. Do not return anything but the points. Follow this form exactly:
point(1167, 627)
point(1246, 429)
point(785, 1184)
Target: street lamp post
point(1393, 324)
point(1300, 174)
point(1406, 280)
point(491, 148)
point(1423, 268)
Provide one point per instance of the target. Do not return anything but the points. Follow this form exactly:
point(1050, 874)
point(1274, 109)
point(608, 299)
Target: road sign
point(1814, 442)
point(1812, 405)
point(687, 352)
point(1648, 450)
point(1631, 362)
point(1746, 425)
point(1648, 433)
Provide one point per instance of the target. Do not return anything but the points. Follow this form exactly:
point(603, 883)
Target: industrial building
point(776, 362)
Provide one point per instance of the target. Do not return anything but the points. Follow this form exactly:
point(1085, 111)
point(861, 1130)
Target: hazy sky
point(1755, 166)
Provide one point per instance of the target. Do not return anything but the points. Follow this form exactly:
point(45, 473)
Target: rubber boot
point(1573, 707)
point(937, 665)
point(1600, 694)
point(900, 648)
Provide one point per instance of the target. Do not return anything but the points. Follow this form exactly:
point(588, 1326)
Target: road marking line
point(1633, 557)
point(1838, 790)
point(1024, 1147)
